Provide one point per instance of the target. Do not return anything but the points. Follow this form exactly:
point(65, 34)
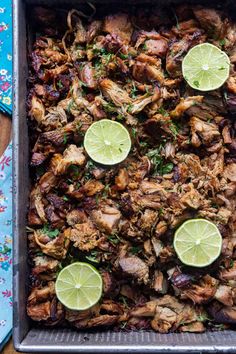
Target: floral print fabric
point(6, 56)
point(5, 244)
point(5, 175)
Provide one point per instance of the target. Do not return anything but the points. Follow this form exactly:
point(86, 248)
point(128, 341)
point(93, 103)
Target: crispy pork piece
point(44, 264)
point(210, 20)
point(197, 327)
point(120, 25)
point(203, 291)
point(41, 294)
point(56, 247)
point(184, 105)
point(160, 283)
point(87, 75)
point(47, 182)
point(224, 295)
point(36, 214)
point(135, 267)
point(147, 69)
point(230, 172)
point(37, 110)
point(114, 93)
point(71, 156)
point(103, 321)
point(84, 236)
point(39, 312)
point(107, 218)
point(203, 132)
point(221, 313)
point(156, 47)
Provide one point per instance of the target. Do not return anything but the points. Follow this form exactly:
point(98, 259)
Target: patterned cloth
point(6, 56)
point(5, 175)
point(5, 245)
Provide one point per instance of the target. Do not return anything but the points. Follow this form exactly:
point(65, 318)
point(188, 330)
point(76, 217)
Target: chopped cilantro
point(123, 299)
point(70, 106)
point(214, 205)
point(52, 233)
point(196, 83)
point(59, 84)
point(147, 90)
point(106, 191)
point(145, 46)
point(97, 199)
point(134, 132)
point(114, 239)
point(143, 144)
point(161, 211)
point(92, 257)
point(176, 19)
point(129, 107)
point(174, 129)
point(39, 254)
point(40, 170)
point(120, 116)
point(222, 42)
point(107, 57)
point(203, 317)
point(65, 139)
point(110, 108)
point(88, 170)
point(78, 126)
point(135, 249)
point(163, 112)
point(158, 165)
point(133, 91)
point(167, 168)
point(123, 56)
point(75, 170)
point(83, 83)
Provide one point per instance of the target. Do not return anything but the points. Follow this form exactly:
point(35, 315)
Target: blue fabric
point(5, 245)
point(5, 175)
point(6, 56)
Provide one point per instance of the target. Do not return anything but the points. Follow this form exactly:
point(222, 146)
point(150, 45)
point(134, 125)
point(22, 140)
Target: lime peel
point(191, 246)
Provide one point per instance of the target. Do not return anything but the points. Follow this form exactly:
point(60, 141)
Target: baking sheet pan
point(26, 337)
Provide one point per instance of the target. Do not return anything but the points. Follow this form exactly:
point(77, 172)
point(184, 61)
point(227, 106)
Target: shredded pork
point(182, 164)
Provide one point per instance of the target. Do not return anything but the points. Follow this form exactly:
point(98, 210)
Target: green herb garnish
point(92, 257)
point(52, 233)
point(114, 239)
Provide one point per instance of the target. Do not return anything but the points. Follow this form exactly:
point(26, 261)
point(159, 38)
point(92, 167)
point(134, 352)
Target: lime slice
point(107, 142)
point(206, 67)
point(197, 242)
point(79, 286)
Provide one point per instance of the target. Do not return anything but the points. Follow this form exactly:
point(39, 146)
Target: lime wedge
point(79, 286)
point(197, 242)
point(107, 142)
point(206, 67)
